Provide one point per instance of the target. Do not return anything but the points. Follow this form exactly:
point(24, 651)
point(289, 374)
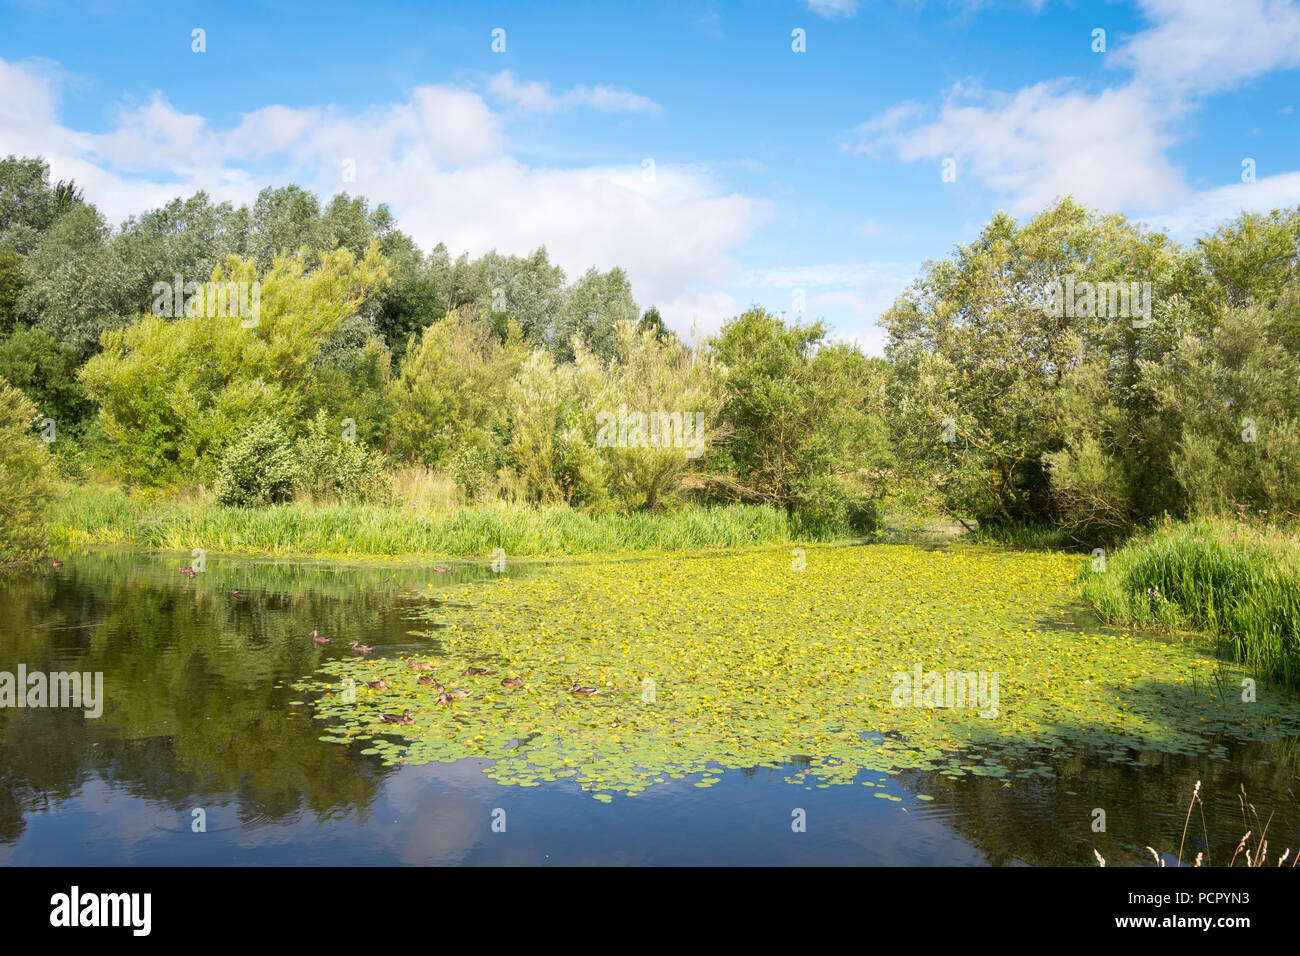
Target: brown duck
point(584, 691)
point(473, 672)
point(428, 680)
point(360, 648)
point(316, 638)
point(512, 682)
point(458, 692)
point(56, 564)
point(404, 719)
point(423, 666)
point(380, 684)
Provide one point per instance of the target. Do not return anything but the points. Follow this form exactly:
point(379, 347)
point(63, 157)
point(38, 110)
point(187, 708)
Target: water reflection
point(198, 715)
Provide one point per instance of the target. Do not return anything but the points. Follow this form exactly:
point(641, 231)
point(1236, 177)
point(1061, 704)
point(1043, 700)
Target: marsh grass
point(1239, 584)
point(96, 515)
point(1252, 848)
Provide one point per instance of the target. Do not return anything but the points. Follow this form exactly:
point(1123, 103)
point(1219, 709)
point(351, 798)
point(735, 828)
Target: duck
point(239, 595)
point(473, 672)
point(380, 684)
point(316, 638)
point(458, 692)
point(584, 691)
point(360, 648)
point(443, 700)
point(512, 682)
point(428, 680)
point(442, 570)
point(423, 665)
point(56, 564)
point(404, 718)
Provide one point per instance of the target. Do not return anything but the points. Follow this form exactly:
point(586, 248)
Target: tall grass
point(97, 515)
point(1238, 584)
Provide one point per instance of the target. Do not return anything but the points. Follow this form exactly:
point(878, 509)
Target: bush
point(341, 468)
point(26, 476)
point(260, 468)
point(831, 508)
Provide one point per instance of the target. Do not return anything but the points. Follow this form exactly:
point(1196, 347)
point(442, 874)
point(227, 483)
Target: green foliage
point(592, 309)
point(11, 287)
point(174, 392)
point(259, 468)
point(992, 395)
point(33, 361)
point(74, 283)
point(449, 394)
point(26, 475)
point(1239, 584)
point(801, 415)
point(110, 516)
point(29, 203)
point(336, 465)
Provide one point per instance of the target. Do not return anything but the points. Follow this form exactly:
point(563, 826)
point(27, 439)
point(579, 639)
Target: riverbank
point(1236, 583)
point(96, 515)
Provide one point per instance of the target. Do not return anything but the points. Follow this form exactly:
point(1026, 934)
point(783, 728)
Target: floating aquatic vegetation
point(738, 661)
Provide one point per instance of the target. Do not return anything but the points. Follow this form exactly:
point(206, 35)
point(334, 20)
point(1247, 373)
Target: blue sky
point(687, 142)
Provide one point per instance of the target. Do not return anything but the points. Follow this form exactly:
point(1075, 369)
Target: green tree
point(26, 476)
point(11, 287)
point(798, 413)
point(174, 392)
point(592, 309)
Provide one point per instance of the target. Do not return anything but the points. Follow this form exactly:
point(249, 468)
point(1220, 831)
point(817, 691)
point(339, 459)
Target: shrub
point(26, 476)
point(260, 468)
point(341, 468)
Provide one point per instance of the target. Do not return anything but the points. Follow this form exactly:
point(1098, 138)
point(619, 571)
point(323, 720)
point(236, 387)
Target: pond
point(763, 707)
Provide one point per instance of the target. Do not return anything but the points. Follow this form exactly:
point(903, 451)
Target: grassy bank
point(98, 515)
point(1238, 584)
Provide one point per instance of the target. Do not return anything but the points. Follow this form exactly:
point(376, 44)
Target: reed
point(1237, 583)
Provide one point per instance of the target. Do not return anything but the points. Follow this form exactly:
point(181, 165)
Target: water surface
point(198, 715)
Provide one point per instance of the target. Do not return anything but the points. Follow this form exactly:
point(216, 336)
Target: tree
point(29, 203)
point(11, 287)
point(997, 386)
point(34, 362)
point(797, 412)
point(174, 392)
point(26, 476)
point(449, 395)
point(594, 306)
point(74, 283)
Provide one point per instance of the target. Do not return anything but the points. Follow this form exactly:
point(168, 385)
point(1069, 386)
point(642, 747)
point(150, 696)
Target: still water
point(197, 717)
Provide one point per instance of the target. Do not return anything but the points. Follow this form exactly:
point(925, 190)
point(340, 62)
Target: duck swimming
point(380, 684)
point(473, 672)
point(316, 638)
point(584, 691)
point(512, 682)
point(404, 718)
point(360, 648)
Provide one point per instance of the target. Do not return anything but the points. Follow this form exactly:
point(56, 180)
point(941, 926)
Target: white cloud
point(832, 9)
point(439, 158)
point(1107, 148)
point(1041, 142)
point(537, 97)
point(1205, 211)
point(1201, 46)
